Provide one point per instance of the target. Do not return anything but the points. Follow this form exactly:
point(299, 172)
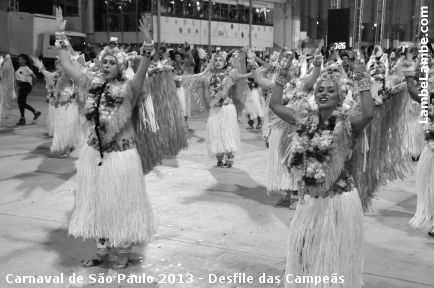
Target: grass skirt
point(424, 217)
point(111, 200)
point(326, 237)
point(278, 176)
point(184, 100)
point(50, 119)
point(254, 106)
point(222, 131)
point(414, 138)
point(67, 132)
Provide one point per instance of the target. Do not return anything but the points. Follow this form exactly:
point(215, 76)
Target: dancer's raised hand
point(38, 64)
point(145, 27)
point(285, 58)
point(59, 19)
point(359, 68)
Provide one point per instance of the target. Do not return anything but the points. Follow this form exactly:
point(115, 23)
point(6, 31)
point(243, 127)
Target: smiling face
point(327, 94)
point(219, 63)
point(110, 67)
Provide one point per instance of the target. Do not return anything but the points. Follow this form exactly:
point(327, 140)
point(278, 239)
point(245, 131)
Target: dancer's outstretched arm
point(286, 114)
point(310, 80)
point(70, 69)
point(363, 83)
point(147, 51)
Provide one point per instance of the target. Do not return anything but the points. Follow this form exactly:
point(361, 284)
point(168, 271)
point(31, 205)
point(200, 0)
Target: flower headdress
point(120, 56)
point(333, 73)
point(219, 54)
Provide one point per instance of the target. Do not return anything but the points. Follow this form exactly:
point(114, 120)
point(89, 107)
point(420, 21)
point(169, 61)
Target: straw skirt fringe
point(67, 129)
point(184, 100)
point(424, 217)
point(414, 138)
point(222, 131)
point(254, 104)
point(326, 237)
point(50, 119)
point(278, 176)
point(111, 200)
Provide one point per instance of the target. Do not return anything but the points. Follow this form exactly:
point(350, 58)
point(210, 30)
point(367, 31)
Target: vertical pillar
point(158, 24)
point(250, 23)
point(209, 25)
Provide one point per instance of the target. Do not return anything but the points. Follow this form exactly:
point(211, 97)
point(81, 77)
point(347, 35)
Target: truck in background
point(33, 34)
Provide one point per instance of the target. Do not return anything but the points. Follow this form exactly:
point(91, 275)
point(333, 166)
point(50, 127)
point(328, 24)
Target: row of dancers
point(336, 133)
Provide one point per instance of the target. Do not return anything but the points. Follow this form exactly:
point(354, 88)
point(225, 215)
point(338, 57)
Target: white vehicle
point(32, 34)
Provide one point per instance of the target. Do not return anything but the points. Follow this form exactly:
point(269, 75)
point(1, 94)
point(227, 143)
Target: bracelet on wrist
point(317, 62)
point(363, 84)
point(282, 77)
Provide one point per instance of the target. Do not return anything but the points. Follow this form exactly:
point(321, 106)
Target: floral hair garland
point(219, 54)
point(120, 56)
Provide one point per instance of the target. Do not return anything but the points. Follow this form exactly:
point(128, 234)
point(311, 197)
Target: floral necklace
point(216, 82)
point(312, 144)
point(102, 100)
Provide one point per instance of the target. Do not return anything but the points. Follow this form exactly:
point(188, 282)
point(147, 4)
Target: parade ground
point(210, 221)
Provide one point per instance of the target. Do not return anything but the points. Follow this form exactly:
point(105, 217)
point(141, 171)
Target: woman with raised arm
point(279, 178)
point(222, 131)
point(64, 117)
point(424, 216)
point(327, 229)
point(111, 203)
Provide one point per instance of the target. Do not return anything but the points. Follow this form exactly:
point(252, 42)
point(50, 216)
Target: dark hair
point(345, 54)
point(177, 52)
point(27, 59)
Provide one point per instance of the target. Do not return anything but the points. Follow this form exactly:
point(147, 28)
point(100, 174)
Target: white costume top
point(24, 74)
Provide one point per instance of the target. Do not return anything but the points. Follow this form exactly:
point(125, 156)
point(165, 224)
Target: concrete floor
point(210, 220)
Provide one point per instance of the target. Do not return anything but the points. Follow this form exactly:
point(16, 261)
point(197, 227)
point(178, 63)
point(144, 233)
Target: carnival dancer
point(67, 133)
point(424, 216)
point(111, 203)
point(378, 69)
point(50, 82)
point(381, 155)
point(7, 83)
point(183, 95)
point(326, 232)
point(23, 77)
point(279, 178)
point(254, 107)
point(222, 131)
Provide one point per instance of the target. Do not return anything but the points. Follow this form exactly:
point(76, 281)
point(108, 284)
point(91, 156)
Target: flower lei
point(101, 105)
point(216, 82)
point(51, 86)
point(107, 94)
point(312, 144)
